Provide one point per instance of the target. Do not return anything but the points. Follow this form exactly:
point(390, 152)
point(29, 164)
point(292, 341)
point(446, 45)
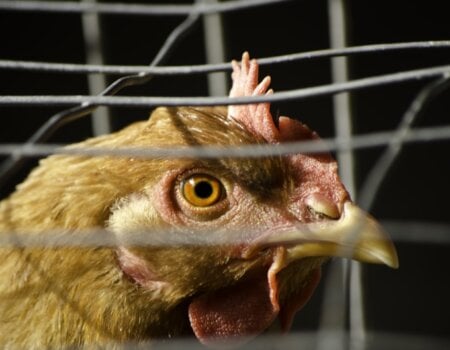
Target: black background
point(413, 299)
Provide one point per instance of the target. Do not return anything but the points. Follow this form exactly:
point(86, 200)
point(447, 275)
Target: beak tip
point(384, 254)
point(375, 245)
point(393, 262)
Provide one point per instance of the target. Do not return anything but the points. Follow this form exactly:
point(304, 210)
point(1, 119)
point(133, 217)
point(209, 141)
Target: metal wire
point(92, 34)
point(395, 140)
point(294, 94)
point(133, 9)
point(67, 68)
point(339, 295)
point(401, 232)
point(428, 134)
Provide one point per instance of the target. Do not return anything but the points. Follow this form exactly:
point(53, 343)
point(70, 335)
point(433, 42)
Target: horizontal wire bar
point(129, 101)
point(208, 68)
point(415, 232)
point(427, 134)
point(306, 339)
point(418, 232)
point(133, 9)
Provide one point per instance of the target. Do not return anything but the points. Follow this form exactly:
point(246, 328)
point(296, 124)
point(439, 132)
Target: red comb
point(257, 117)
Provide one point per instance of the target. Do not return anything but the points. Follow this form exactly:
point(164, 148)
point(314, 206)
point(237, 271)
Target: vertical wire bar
point(215, 50)
point(345, 277)
point(101, 123)
point(341, 102)
point(331, 334)
point(356, 306)
point(343, 122)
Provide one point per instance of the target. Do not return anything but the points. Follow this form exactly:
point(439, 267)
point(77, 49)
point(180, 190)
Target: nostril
point(322, 207)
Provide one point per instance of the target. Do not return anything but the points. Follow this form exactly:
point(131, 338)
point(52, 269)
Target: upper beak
point(354, 235)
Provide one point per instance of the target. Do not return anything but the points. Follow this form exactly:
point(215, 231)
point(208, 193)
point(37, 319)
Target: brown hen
point(231, 244)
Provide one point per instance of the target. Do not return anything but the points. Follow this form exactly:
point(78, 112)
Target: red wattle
point(233, 314)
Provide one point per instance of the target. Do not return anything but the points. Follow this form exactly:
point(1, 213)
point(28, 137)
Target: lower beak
point(355, 235)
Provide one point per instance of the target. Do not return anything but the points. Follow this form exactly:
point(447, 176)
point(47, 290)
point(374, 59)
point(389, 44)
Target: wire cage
point(371, 78)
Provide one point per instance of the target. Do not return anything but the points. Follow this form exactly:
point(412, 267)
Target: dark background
point(413, 299)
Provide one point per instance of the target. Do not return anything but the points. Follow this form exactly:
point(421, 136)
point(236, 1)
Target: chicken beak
point(355, 235)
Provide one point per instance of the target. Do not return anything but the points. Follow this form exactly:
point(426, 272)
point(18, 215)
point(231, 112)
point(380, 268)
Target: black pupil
point(203, 189)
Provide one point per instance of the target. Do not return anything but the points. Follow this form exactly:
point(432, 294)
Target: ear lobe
point(138, 270)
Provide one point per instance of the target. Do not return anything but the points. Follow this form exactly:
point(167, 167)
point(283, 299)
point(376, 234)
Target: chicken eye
point(202, 190)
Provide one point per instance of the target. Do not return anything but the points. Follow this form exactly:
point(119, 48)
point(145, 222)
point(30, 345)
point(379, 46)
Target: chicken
point(233, 244)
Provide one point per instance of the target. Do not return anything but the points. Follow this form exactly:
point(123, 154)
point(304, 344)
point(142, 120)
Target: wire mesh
point(407, 231)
